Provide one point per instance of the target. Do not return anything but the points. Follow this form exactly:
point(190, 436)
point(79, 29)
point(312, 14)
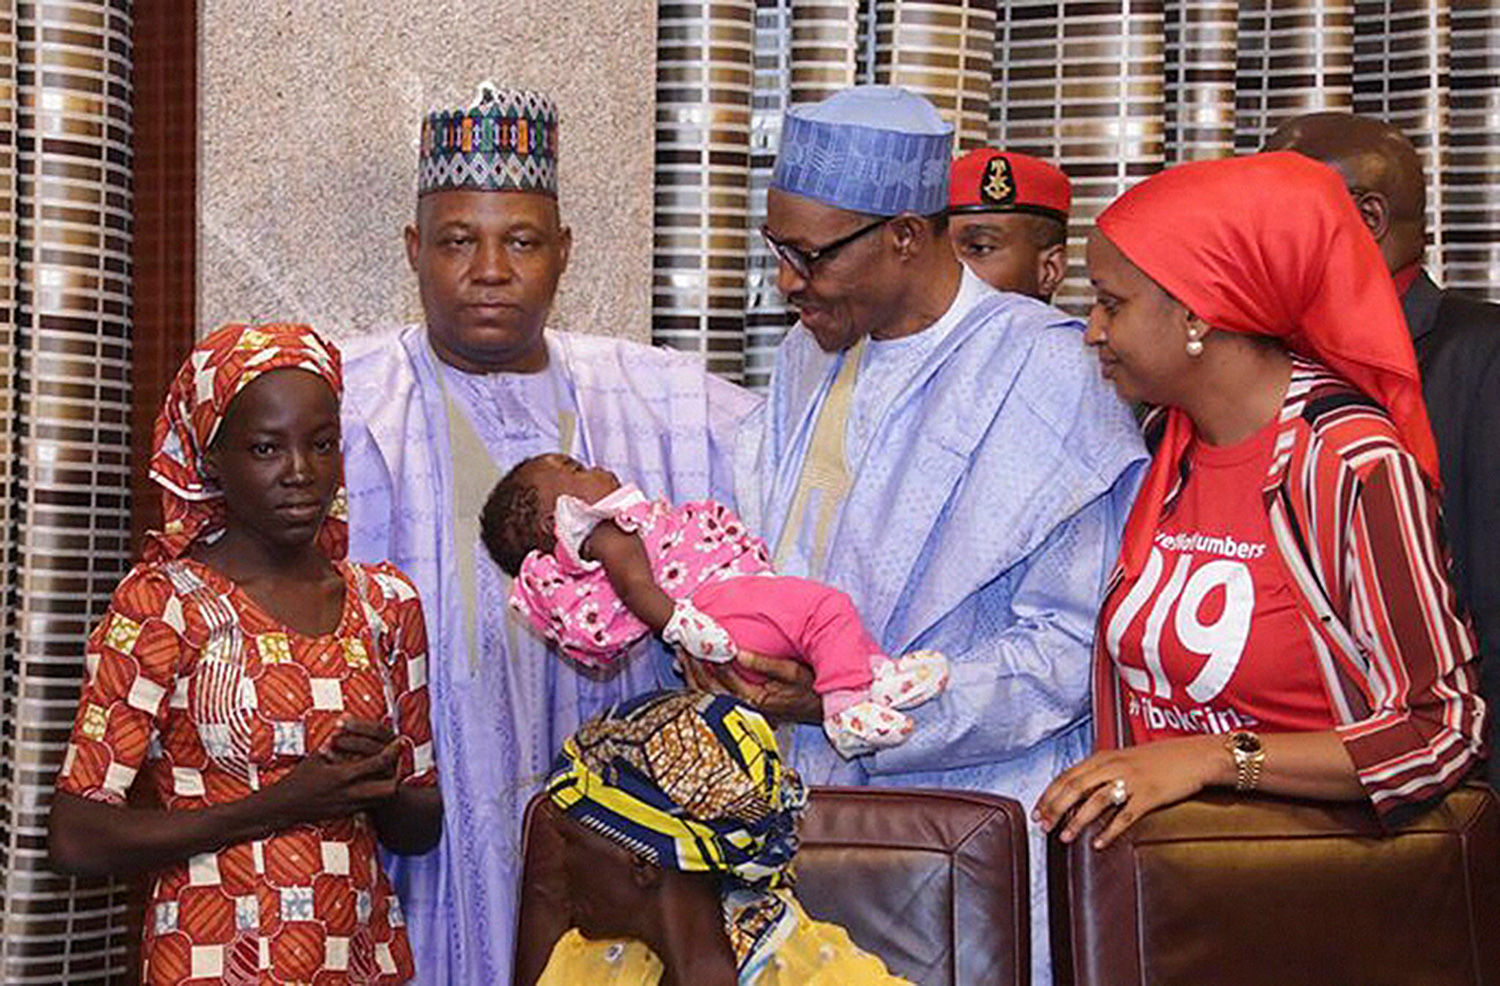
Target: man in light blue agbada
point(434, 414)
point(945, 453)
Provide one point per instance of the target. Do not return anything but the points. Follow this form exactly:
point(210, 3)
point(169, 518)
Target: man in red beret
point(1008, 219)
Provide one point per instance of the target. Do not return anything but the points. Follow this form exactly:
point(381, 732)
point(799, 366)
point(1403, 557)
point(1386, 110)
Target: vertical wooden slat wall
point(1112, 90)
point(70, 119)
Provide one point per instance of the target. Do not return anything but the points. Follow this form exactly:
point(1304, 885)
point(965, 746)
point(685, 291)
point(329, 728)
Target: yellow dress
point(815, 954)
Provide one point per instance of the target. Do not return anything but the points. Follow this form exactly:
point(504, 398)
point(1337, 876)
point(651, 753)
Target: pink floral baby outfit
point(727, 596)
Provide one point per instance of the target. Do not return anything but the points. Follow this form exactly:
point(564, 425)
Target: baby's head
point(517, 517)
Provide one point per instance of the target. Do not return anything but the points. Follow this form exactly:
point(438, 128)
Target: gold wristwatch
point(1249, 757)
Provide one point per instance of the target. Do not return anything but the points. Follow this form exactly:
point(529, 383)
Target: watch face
point(1247, 742)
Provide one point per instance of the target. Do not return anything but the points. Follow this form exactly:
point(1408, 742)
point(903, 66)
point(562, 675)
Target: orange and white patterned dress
point(192, 682)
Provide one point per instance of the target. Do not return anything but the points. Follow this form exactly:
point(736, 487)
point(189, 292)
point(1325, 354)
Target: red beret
point(988, 180)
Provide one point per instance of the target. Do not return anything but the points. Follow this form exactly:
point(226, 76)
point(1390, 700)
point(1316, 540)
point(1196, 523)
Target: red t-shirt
point(1209, 638)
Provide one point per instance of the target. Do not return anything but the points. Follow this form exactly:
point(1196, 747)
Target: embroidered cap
point(506, 141)
point(988, 180)
point(875, 149)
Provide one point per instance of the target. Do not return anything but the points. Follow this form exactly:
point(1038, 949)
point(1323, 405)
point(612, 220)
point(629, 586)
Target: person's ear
point(1197, 331)
point(1375, 211)
point(907, 231)
point(1051, 268)
point(564, 247)
point(413, 245)
point(211, 470)
point(644, 874)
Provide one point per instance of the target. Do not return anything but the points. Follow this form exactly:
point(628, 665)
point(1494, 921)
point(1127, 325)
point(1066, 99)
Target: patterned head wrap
point(1272, 245)
point(690, 781)
point(219, 367)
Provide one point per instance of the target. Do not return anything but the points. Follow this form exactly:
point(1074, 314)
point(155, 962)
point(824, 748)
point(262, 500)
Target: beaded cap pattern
point(505, 141)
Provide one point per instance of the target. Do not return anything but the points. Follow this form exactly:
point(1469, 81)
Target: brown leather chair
point(1270, 892)
point(934, 882)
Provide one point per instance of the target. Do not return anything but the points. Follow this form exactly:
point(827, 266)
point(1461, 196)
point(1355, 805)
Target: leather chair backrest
point(1270, 892)
point(934, 882)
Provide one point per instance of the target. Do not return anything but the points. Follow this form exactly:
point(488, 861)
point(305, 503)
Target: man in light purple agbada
point(434, 414)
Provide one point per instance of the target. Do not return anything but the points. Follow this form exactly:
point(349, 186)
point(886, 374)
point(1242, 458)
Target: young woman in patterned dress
point(272, 695)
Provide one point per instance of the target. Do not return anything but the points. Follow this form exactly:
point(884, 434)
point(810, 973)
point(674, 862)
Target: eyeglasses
point(802, 261)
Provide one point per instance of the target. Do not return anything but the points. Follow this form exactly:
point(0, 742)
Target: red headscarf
point(1270, 244)
point(219, 367)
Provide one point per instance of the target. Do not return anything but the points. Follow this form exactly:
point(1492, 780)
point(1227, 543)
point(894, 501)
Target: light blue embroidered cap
point(875, 149)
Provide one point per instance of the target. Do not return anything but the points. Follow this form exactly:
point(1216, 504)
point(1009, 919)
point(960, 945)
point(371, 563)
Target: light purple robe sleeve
point(370, 493)
point(731, 410)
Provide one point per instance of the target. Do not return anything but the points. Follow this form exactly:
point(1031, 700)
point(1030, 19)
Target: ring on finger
point(1118, 793)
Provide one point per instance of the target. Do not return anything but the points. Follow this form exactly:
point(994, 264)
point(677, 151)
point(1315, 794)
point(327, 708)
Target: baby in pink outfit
point(597, 566)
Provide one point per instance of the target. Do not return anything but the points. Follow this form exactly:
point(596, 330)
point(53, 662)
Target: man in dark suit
point(1457, 340)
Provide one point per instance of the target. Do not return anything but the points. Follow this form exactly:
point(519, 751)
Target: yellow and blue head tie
point(688, 780)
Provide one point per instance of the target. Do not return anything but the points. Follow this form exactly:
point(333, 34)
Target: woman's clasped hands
point(357, 769)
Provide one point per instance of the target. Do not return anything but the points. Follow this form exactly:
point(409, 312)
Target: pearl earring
point(1194, 346)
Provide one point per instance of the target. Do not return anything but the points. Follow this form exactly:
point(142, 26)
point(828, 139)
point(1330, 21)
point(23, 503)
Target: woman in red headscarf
point(1281, 617)
point(272, 694)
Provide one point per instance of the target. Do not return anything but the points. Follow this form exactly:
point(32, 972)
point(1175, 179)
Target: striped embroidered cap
point(875, 149)
point(505, 141)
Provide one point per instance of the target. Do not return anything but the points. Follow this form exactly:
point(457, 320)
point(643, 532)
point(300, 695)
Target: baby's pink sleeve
point(634, 518)
point(576, 610)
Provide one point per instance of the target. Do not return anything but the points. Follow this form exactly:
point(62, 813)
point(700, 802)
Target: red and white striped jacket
point(1357, 526)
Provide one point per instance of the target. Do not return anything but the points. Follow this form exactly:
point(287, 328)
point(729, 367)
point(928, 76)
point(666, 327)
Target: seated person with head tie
point(597, 566)
point(679, 824)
